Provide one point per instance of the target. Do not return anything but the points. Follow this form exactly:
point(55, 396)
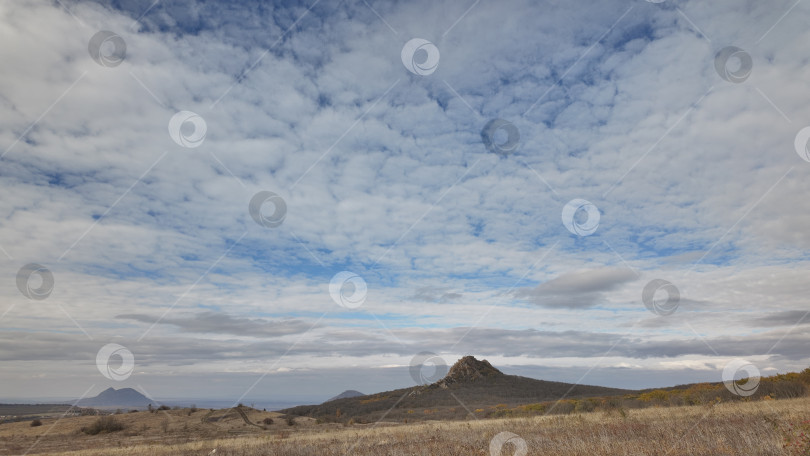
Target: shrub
point(535, 408)
point(804, 376)
point(36, 423)
point(585, 405)
point(290, 421)
point(658, 396)
point(164, 407)
point(103, 424)
point(501, 413)
point(268, 421)
point(563, 407)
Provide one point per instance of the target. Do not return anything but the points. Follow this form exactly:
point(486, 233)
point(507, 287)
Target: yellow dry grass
point(748, 428)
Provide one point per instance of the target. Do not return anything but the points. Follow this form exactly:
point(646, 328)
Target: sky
point(284, 200)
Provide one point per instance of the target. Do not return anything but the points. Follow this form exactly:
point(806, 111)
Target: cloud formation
point(218, 323)
point(383, 173)
point(578, 289)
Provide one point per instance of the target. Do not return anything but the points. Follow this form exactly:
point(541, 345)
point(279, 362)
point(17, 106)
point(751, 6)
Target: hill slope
point(470, 384)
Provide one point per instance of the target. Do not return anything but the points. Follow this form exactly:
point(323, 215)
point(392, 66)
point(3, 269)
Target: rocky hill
point(468, 370)
point(469, 385)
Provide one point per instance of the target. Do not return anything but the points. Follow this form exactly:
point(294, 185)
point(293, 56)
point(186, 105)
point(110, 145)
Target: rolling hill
point(470, 384)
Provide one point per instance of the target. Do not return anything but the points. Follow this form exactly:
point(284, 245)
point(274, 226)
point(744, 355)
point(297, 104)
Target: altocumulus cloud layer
point(145, 224)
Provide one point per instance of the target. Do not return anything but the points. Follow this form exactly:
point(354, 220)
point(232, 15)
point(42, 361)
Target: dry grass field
point(743, 428)
point(169, 427)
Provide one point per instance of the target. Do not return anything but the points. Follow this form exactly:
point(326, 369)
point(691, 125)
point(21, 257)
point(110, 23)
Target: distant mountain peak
point(116, 397)
point(119, 392)
point(468, 369)
point(346, 394)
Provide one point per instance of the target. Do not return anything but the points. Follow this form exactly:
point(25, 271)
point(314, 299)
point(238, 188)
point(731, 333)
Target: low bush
point(103, 424)
point(36, 423)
